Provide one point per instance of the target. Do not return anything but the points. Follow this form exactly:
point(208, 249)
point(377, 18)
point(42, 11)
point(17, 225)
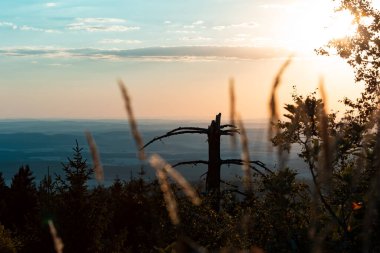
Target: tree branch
point(232, 185)
point(229, 132)
point(240, 162)
point(237, 191)
point(177, 131)
point(187, 128)
point(196, 162)
point(228, 125)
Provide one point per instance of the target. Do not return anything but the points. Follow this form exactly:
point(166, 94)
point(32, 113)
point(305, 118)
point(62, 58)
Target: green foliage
point(361, 50)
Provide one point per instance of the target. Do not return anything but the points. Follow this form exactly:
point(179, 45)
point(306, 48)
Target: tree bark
point(213, 174)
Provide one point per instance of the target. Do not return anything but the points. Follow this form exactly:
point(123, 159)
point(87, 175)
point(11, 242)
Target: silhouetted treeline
point(131, 216)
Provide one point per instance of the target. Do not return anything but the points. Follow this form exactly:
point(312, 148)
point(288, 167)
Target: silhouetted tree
point(23, 218)
point(4, 191)
point(73, 212)
point(214, 162)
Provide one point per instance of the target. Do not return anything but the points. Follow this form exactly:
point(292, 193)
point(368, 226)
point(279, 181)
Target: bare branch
point(227, 125)
point(177, 132)
point(196, 162)
point(237, 191)
point(230, 132)
point(239, 162)
point(187, 128)
point(232, 185)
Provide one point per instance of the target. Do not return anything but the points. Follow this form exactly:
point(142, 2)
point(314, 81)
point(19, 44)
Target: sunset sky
point(62, 59)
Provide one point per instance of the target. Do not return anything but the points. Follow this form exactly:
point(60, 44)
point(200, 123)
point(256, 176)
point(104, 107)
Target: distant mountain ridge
point(43, 144)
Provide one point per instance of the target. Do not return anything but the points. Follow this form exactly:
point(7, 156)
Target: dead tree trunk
point(214, 162)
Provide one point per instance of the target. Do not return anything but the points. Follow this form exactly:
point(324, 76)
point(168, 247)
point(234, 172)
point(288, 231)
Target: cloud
point(197, 38)
point(119, 41)
point(182, 31)
point(198, 22)
point(51, 4)
point(59, 65)
point(25, 27)
point(247, 25)
point(101, 25)
point(195, 24)
point(34, 29)
point(153, 54)
point(8, 24)
point(101, 20)
point(219, 27)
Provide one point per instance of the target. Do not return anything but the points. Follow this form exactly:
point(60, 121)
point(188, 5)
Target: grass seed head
point(58, 244)
point(98, 168)
point(132, 121)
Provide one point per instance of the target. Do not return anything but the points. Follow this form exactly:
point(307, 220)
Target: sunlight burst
point(310, 26)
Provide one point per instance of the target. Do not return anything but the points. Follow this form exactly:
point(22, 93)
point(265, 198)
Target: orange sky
point(175, 66)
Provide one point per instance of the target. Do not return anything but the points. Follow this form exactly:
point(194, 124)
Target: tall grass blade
point(325, 166)
point(132, 121)
point(182, 182)
point(274, 112)
point(232, 110)
point(274, 115)
point(98, 168)
point(245, 156)
point(171, 204)
point(58, 244)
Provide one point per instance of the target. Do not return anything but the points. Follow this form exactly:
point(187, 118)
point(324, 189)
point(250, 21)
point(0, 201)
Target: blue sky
point(135, 24)
point(61, 59)
point(125, 24)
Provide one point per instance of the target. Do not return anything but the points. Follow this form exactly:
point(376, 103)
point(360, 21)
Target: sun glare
point(310, 26)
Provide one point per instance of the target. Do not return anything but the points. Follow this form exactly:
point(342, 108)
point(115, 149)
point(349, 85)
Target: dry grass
point(171, 204)
point(325, 166)
point(132, 121)
point(58, 244)
point(245, 156)
point(98, 168)
point(177, 177)
point(273, 128)
point(273, 107)
point(232, 109)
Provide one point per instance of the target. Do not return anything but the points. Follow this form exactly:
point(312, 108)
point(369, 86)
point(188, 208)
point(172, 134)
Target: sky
point(63, 59)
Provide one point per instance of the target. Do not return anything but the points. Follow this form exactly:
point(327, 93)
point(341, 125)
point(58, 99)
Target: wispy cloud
point(59, 65)
point(25, 27)
point(195, 24)
point(119, 41)
point(34, 29)
point(51, 4)
point(8, 24)
point(197, 38)
point(240, 25)
point(183, 31)
point(190, 53)
point(101, 20)
point(198, 22)
point(101, 25)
